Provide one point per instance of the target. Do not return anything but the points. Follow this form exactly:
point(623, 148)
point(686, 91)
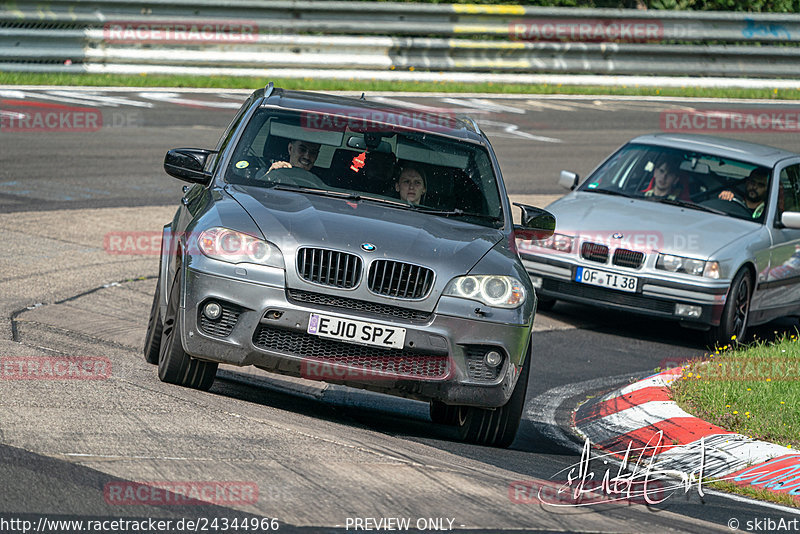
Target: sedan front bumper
point(266, 325)
point(654, 296)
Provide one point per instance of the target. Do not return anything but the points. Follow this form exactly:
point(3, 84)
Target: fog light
point(536, 281)
point(493, 358)
point(212, 311)
point(685, 310)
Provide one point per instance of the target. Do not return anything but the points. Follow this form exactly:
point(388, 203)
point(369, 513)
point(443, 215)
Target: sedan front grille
point(329, 267)
point(400, 280)
point(594, 252)
point(393, 362)
point(628, 258)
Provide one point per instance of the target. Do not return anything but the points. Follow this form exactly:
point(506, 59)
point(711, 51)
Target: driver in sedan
point(755, 192)
point(302, 154)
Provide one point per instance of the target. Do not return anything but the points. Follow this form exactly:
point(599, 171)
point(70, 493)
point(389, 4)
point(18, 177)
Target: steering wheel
point(735, 207)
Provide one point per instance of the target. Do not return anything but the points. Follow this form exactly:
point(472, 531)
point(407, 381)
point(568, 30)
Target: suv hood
point(291, 220)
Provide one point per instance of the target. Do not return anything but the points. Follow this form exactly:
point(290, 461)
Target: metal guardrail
point(70, 35)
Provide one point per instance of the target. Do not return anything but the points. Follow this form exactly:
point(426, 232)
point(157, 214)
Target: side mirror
point(568, 180)
point(187, 164)
point(536, 223)
point(791, 219)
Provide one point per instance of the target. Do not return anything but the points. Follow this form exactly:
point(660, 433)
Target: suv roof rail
point(469, 120)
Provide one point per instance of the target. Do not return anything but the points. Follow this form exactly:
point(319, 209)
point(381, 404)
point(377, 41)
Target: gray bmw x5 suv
point(342, 240)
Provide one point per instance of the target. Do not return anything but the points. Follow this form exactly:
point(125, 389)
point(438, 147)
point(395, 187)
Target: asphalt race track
point(313, 457)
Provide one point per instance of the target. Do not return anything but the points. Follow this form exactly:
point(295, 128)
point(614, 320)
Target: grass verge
point(230, 82)
point(754, 391)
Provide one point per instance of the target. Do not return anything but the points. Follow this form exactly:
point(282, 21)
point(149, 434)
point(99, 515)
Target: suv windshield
point(688, 179)
point(366, 161)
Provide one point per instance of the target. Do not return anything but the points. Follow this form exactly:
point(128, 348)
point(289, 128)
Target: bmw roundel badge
point(369, 247)
point(617, 235)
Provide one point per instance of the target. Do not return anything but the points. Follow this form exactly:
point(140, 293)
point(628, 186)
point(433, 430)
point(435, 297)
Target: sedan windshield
point(367, 162)
point(684, 178)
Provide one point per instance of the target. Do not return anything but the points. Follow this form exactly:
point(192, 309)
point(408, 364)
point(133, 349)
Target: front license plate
point(377, 335)
point(606, 279)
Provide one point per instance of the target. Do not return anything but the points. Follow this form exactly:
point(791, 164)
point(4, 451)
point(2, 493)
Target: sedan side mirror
point(791, 219)
point(568, 180)
point(187, 164)
point(536, 223)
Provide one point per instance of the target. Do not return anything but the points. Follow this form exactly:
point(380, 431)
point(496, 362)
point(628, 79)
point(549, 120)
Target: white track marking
point(541, 409)
point(177, 98)
point(512, 130)
point(108, 101)
point(483, 104)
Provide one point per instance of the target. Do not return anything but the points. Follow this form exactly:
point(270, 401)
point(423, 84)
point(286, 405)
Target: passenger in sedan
point(666, 181)
point(755, 192)
point(411, 184)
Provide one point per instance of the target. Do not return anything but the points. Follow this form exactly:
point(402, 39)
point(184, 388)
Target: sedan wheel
point(174, 365)
point(733, 323)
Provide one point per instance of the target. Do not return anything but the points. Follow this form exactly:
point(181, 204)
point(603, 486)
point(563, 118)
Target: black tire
point(735, 313)
point(152, 340)
point(174, 365)
point(545, 304)
point(495, 428)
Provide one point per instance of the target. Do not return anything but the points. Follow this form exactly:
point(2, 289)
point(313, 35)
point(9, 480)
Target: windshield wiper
point(316, 191)
point(691, 205)
point(344, 195)
point(459, 213)
point(608, 192)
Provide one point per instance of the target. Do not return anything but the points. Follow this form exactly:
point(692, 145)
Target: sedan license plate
point(606, 279)
point(377, 335)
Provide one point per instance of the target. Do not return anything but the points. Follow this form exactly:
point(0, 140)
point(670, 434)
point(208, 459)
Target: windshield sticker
point(242, 164)
point(593, 185)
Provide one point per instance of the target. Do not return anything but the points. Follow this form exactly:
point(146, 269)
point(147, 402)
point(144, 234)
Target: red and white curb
point(635, 415)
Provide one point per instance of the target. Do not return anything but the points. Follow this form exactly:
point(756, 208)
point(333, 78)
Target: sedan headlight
point(235, 247)
point(679, 264)
point(558, 242)
point(493, 290)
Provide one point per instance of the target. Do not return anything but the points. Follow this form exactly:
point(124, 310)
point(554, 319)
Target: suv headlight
point(492, 290)
point(679, 264)
point(235, 247)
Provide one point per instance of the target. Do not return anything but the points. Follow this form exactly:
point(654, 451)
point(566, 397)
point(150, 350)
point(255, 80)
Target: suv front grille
point(594, 252)
point(329, 267)
point(366, 360)
point(628, 258)
point(400, 280)
point(353, 305)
